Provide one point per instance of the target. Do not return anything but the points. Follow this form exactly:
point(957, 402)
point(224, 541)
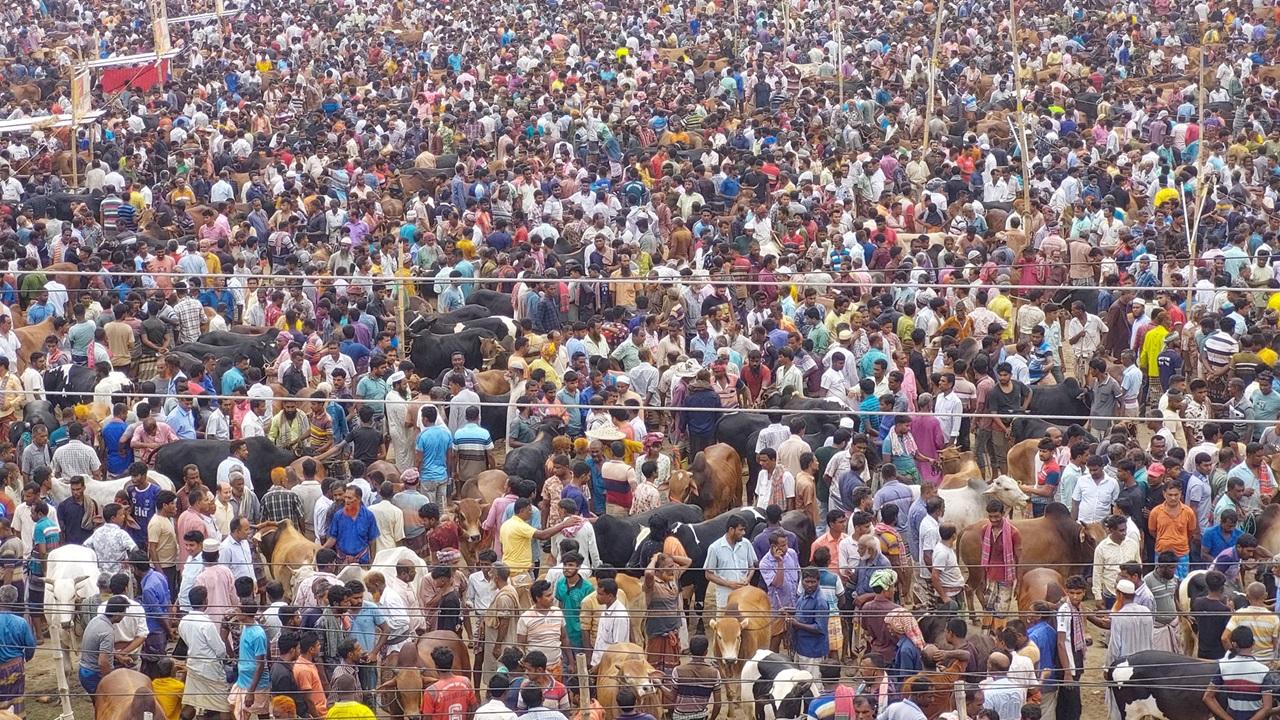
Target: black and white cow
point(778, 689)
point(1164, 685)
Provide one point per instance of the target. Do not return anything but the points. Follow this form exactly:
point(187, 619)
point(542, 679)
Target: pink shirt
point(162, 436)
point(221, 586)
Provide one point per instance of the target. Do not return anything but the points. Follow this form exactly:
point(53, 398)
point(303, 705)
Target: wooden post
point(584, 687)
point(838, 35)
point(402, 299)
point(1022, 124)
point(932, 69)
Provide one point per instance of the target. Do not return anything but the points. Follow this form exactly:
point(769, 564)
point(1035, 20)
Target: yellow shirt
point(348, 710)
point(1273, 302)
point(516, 536)
point(214, 264)
point(1001, 305)
point(1268, 356)
point(168, 692)
point(1152, 345)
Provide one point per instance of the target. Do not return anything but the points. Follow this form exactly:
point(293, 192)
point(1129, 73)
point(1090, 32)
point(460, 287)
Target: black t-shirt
point(450, 612)
point(155, 330)
point(1007, 403)
point(365, 442)
point(1211, 620)
point(283, 683)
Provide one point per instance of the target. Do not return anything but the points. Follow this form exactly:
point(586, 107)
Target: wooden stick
point(1022, 124)
point(932, 69)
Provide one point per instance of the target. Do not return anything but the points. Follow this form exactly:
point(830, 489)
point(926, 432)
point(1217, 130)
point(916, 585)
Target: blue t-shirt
point(434, 444)
point(353, 535)
point(46, 531)
point(118, 461)
point(1214, 542)
point(144, 506)
point(364, 624)
point(253, 645)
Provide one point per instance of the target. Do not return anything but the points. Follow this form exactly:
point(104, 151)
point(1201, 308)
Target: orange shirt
point(451, 698)
point(1173, 530)
point(307, 676)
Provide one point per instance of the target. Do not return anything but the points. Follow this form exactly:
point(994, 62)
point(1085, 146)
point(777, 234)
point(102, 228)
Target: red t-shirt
point(443, 537)
point(452, 698)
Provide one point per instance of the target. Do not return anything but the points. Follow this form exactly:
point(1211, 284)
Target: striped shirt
point(1218, 349)
point(1242, 678)
point(1265, 626)
point(542, 630)
point(472, 442)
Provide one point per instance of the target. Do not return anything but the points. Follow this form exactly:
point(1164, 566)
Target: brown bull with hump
point(713, 481)
point(1055, 541)
point(125, 694)
point(286, 550)
point(624, 665)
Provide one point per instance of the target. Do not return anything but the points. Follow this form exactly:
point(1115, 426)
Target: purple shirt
point(784, 595)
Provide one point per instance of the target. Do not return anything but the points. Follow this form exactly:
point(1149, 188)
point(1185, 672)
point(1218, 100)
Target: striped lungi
point(13, 680)
point(144, 368)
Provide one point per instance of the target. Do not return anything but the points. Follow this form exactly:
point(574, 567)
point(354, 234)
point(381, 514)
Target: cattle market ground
point(43, 683)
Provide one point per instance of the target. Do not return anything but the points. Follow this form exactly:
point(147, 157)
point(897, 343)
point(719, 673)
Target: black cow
point(617, 537)
point(264, 457)
point(38, 411)
point(697, 540)
point(814, 422)
point(502, 327)
point(1154, 683)
point(494, 417)
point(529, 461)
point(739, 430)
point(449, 319)
point(69, 385)
point(1030, 427)
point(431, 353)
point(498, 303)
point(223, 338)
point(259, 353)
point(1063, 404)
point(779, 688)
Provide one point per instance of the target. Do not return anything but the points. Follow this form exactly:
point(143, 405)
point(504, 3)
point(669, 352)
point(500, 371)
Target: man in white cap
point(402, 427)
point(1131, 624)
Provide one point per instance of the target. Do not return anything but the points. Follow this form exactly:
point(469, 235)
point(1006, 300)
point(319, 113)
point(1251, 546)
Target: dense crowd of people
point(696, 210)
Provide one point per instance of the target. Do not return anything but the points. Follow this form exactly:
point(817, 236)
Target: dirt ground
point(42, 683)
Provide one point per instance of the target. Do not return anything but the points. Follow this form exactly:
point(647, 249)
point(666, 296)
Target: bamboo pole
point(838, 35)
point(1022, 123)
point(932, 69)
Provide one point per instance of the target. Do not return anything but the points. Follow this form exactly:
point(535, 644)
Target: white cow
point(71, 577)
point(385, 562)
point(967, 505)
point(104, 491)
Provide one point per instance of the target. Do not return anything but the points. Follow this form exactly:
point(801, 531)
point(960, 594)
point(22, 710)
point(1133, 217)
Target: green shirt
point(570, 599)
point(80, 335)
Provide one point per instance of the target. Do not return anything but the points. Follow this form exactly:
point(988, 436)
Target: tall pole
point(838, 35)
point(932, 70)
point(1022, 123)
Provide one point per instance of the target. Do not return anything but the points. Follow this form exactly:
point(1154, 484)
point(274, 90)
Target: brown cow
point(1040, 584)
point(1054, 541)
point(633, 589)
point(443, 638)
point(493, 382)
point(958, 468)
point(406, 684)
point(388, 469)
point(468, 513)
point(742, 626)
point(486, 486)
point(31, 338)
point(1022, 461)
point(287, 551)
point(717, 480)
point(624, 664)
point(125, 694)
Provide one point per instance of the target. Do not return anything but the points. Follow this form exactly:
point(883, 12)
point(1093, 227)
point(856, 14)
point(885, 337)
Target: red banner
point(138, 77)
